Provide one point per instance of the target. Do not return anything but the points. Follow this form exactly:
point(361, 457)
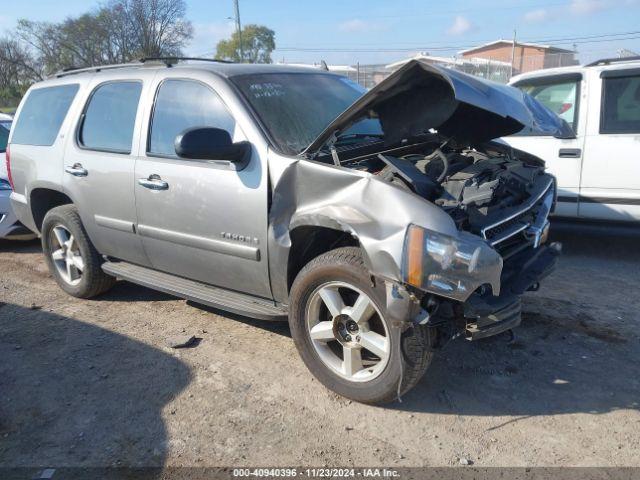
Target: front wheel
point(343, 334)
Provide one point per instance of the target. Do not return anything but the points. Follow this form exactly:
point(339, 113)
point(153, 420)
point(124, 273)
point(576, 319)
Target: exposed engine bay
point(488, 190)
point(431, 131)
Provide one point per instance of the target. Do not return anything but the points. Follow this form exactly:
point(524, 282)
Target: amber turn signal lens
point(544, 236)
point(414, 255)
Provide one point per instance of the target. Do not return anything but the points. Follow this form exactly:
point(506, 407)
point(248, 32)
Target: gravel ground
point(93, 383)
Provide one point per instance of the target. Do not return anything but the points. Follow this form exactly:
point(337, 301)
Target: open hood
point(420, 96)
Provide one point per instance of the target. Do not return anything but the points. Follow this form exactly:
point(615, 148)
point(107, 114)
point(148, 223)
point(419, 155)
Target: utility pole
point(513, 54)
point(239, 29)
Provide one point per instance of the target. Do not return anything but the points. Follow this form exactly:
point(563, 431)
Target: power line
point(432, 13)
point(433, 47)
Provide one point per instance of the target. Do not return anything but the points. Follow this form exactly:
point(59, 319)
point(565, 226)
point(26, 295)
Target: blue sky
point(370, 29)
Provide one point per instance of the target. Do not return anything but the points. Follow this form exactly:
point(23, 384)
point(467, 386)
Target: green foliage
point(258, 42)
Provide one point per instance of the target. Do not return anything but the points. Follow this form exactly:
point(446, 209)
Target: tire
point(86, 282)
point(408, 351)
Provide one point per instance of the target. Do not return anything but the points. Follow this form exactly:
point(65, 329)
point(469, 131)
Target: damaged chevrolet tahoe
point(382, 223)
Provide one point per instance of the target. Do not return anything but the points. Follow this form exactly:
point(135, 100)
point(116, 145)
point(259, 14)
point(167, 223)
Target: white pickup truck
point(598, 171)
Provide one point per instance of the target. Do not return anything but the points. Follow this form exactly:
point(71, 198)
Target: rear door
point(610, 188)
point(99, 166)
point(562, 95)
point(204, 220)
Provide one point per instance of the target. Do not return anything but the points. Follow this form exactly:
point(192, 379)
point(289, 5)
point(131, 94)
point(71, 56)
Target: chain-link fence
point(499, 69)
point(496, 69)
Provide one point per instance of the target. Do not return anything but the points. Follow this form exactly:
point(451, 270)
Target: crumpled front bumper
point(488, 315)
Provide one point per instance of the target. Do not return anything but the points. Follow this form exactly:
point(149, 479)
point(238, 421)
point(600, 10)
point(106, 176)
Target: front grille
point(533, 214)
point(505, 230)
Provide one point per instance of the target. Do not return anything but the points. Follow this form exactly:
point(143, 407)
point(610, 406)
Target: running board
point(228, 300)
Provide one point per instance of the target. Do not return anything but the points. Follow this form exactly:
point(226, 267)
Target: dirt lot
point(93, 382)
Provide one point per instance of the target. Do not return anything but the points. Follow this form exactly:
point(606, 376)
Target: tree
point(118, 32)
point(18, 70)
point(257, 43)
point(159, 26)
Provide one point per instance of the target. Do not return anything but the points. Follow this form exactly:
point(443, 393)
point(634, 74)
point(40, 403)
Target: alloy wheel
point(66, 255)
point(348, 331)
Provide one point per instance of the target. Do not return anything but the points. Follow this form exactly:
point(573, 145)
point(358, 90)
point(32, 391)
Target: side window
point(42, 115)
point(182, 104)
point(620, 105)
point(5, 127)
point(110, 116)
point(559, 97)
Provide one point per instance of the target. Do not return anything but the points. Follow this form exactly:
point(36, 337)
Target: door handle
point(77, 170)
point(153, 182)
point(570, 153)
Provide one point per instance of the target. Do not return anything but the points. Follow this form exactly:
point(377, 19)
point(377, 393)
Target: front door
point(205, 220)
point(611, 173)
point(563, 157)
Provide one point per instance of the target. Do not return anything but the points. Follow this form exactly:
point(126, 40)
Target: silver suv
point(382, 223)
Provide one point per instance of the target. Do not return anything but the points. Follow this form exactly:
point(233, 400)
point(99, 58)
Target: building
point(526, 56)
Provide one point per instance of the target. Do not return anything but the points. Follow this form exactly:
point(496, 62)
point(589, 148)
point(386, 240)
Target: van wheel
point(71, 257)
point(341, 330)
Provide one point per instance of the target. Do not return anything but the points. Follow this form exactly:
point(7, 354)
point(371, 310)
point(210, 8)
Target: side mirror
point(566, 132)
point(208, 143)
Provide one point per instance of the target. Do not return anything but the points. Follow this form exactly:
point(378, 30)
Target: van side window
point(42, 115)
point(561, 97)
point(620, 105)
point(110, 116)
point(183, 104)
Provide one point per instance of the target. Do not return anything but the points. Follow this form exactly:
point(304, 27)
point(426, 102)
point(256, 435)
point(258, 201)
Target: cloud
point(459, 26)
point(360, 26)
point(207, 35)
point(535, 16)
point(586, 7)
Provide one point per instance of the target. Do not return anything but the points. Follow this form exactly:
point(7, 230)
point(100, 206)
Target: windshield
point(296, 107)
point(5, 126)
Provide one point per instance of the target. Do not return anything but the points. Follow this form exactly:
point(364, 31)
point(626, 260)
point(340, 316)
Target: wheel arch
point(310, 241)
point(43, 199)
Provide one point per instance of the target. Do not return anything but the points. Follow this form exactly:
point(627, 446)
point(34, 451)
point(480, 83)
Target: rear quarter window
point(42, 115)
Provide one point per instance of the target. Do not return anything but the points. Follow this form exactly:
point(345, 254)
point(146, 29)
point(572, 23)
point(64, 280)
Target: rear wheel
point(71, 257)
point(344, 335)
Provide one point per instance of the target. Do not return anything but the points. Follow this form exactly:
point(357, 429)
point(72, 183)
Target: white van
point(598, 171)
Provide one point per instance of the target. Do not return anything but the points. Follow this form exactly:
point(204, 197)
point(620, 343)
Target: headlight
point(4, 184)
point(449, 266)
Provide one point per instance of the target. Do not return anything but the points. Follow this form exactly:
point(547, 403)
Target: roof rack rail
point(170, 61)
point(609, 61)
point(74, 71)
